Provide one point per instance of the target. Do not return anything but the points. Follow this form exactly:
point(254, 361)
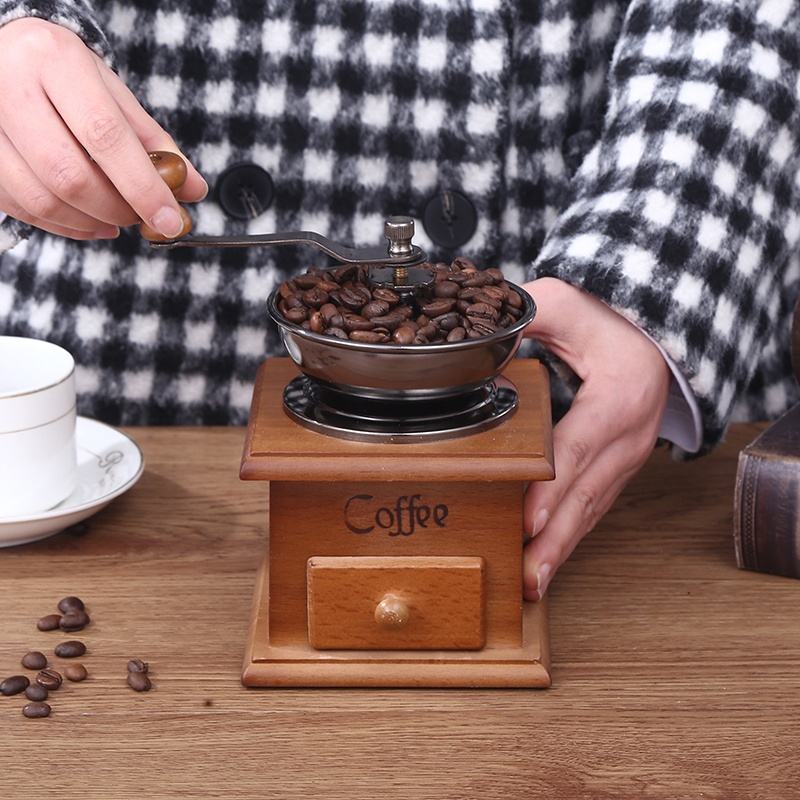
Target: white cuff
point(682, 423)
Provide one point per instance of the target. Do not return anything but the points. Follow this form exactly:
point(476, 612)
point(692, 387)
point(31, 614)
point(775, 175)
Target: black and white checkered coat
point(646, 151)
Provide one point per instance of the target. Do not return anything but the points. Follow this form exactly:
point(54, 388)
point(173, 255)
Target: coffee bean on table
point(74, 621)
point(139, 682)
point(137, 665)
point(34, 660)
point(14, 685)
point(75, 672)
point(35, 710)
point(36, 692)
point(70, 603)
point(49, 623)
point(50, 679)
point(71, 649)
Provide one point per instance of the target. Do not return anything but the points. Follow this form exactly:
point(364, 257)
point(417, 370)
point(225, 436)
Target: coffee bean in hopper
point(34, 710)
point(75, 672)
point(49, 623)
point(36, 692)
point(14, 685)
point(67, 604)
point(34, 660)
point(71, 649)
point(74, 621)
point(139, 682)
point(49, 678)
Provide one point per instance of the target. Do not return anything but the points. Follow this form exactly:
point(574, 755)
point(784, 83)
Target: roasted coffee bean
point(34, 660)
point(287, 288)
point(316, 322)
point(296, 315)
point(478, 279)
point(386, 296)
point(375, 308)
point(336, 333)
point(49, 623)
point(437, 307)
point(494, 274)
point(137, 665)
point(351, 300)
point(307, 281)
point(428, 331)
point(71, 603)
point(419, 338)
point(445, 289)
point(34, 710)
point(328, 311)
point(483, 327)
point(50, 679)
point(391, 321)
point(370, 337)
point(75, 672)
point(462, 306)
point(488, 300)
point(505, 321)
point(139, 682)
point(473, 333)
point(463, 264)
point(495, 292)
point(293, 301)
point(404, 335)
point(71, 649)
point(468, 294)
point(482, 311)
point(14, 685)
point(315, 297)
point(327, 286)
point(513, 299)
point(36, 692)
point(74, 621)
point(355, 322)
point(456, 335)
point(447, 321)
point(422, 320)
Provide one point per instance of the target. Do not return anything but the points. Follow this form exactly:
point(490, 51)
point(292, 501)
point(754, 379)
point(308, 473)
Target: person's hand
point(609, 431)
point(74, 141)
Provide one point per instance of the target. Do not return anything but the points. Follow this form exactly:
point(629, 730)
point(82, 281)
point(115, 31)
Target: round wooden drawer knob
point(391, 612)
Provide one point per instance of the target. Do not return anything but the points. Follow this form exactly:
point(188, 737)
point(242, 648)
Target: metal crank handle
point(379, 254)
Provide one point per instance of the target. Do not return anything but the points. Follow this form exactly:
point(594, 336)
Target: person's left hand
point(609, 431)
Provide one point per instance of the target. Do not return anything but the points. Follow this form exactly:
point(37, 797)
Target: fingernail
point(540, 520)
point(111, 232)
point(542, 579)
point(167, 222)
point(205, 192)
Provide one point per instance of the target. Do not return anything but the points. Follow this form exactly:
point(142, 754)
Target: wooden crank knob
point(172, 170)
point(171, 167)
point(392, 612)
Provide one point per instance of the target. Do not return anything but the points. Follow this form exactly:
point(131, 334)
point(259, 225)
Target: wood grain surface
point(675, 674)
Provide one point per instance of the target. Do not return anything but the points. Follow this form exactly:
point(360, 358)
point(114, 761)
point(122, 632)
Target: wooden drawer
point(388, 603)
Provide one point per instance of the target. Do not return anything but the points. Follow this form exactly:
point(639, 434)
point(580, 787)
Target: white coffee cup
point(38, 467)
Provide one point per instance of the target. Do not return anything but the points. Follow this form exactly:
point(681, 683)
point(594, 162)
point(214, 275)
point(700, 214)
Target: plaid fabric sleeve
point(78, 17)
point(685, 213)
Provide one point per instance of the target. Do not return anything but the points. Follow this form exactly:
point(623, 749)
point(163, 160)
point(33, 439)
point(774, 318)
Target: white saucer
point(109, 463)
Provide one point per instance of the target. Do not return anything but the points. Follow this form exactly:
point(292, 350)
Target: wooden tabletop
point(675, 674)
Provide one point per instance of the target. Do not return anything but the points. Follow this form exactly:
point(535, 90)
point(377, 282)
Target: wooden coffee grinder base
point(396, 564)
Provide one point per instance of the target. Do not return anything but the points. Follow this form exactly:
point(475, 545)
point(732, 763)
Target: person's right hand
point(74, 141)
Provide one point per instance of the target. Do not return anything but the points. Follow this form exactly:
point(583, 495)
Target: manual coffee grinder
point(395, 476)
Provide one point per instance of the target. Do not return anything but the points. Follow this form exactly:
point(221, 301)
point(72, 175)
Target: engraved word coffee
point(403, 518)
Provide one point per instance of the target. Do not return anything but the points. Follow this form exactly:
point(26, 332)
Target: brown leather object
point(766, 517)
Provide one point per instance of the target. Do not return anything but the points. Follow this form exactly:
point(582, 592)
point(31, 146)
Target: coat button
point(244, 191)
point(449, 219)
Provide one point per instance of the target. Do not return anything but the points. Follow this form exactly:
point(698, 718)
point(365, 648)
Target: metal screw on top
point(399, 231)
